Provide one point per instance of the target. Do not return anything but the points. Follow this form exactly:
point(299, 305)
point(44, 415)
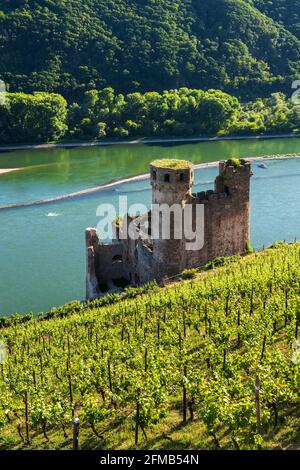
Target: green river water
point(42, 251)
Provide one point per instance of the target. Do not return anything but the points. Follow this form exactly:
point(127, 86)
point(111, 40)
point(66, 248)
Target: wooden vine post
point(26, 417)
point(184, 396)
point(137, 418)
point(257, 405)
point(76, 424)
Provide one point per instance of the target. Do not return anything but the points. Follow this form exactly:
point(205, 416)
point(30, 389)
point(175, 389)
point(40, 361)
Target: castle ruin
point(127, 261)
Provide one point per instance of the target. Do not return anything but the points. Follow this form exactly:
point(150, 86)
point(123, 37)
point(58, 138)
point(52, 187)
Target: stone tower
point(234, 181)
point(225, 226)
point(171, 182)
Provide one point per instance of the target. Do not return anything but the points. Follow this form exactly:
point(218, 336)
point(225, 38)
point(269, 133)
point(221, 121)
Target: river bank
point(167, 140)
point(132, 179)
point(42, 247)
point(8, 170)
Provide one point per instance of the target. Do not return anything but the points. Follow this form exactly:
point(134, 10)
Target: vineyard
point(210, 362)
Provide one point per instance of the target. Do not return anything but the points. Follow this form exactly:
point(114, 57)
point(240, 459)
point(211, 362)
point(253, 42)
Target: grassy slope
point(170, 433)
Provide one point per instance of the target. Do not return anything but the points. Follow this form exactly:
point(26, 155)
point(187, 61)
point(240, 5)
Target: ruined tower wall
point(235, 220)
point(109, 262)
point(92, 285)
point(145, 263)
point(170, 186)
point(138, 261)
point(226, 215)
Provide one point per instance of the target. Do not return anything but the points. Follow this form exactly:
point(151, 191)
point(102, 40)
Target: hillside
point(171, 368)
point(285, 12)
point(247, 47)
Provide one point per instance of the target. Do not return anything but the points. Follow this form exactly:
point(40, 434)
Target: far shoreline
point(3, 171)
point(141, 141)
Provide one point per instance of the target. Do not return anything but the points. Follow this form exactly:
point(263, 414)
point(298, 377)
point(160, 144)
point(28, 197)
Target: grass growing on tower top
point(172, 164)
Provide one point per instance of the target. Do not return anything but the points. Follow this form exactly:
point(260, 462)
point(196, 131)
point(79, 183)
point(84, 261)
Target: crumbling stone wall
point(226, 229)
point(227, 215)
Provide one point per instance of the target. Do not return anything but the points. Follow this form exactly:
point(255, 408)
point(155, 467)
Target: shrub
point(234, 162)
point(249, 248)
point(189, 273)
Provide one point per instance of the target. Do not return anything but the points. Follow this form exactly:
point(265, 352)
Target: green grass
point(171, 434)
point(172, 164)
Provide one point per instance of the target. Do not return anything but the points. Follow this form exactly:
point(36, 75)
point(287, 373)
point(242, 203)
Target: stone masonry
point(126, 261)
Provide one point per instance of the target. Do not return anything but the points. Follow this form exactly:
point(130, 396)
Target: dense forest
point(248, 48)
point(101, 114)
point(46, 117)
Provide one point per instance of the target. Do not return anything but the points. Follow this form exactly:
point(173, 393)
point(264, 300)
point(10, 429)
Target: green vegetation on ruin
point(118, 221)
point(172, 164)
point(185, 359)
point(234, 162)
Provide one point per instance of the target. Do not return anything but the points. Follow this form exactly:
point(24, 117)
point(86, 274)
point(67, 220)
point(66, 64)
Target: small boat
point(263, 166)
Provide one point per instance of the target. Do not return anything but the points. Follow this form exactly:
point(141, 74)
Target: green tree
point(216, 110)
point(41, 117)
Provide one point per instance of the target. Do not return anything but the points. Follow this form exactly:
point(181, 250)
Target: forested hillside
point(246, 47)
point(286, 12)
point(162, 368)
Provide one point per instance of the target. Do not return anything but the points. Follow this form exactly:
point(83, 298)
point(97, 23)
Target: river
point(42, 251)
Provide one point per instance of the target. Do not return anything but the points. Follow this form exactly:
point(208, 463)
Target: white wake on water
point(53, 214)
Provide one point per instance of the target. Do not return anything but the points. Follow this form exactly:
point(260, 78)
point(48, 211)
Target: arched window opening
point(117, 259)
point(181, 177)
point(167, 178)
point(154, 175)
